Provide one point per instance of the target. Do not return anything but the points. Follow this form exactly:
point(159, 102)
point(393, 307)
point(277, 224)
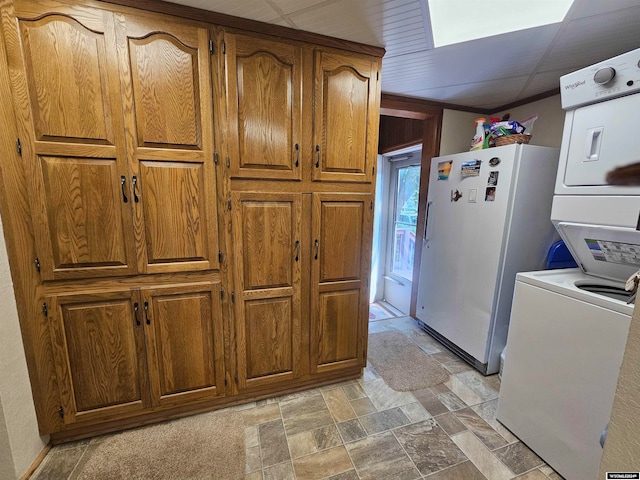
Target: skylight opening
point(455, 21)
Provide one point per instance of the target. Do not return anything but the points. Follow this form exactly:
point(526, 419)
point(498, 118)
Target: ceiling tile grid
point(484, 73)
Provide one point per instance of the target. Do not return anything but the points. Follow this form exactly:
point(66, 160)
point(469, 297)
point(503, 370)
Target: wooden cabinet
point(184, 331)
point(99, 352)
point(175, 279)
point(264, 107)
point(72, 143)
point(167, 104)
point(341, 233)
point(267, 234)
point(120, 351)
point(118, 142)
point(345, 119)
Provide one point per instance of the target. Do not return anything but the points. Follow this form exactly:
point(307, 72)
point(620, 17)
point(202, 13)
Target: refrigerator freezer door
point(462, 254)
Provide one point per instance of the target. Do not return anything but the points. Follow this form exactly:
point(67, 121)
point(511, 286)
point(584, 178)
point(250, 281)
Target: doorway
point(395, 228)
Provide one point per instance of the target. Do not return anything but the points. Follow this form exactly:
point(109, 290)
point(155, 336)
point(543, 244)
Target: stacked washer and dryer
point(568, 328)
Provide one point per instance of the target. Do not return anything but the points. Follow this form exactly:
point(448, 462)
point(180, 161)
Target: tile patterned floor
point(362, 429)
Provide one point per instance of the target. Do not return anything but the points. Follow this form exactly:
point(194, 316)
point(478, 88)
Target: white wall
point(547, 131)
point(458, 128)
point(20, 442)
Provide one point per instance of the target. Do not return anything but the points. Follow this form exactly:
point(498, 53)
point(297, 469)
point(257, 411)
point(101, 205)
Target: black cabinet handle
point(146, 313)
point(297, 147)
point(297, 250)
point(317, 244)
point(318, 156)
point(123, 180)
point(135, 313)
point(134, 180)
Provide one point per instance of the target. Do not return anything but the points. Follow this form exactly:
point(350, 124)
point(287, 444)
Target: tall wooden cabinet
point(201, 205)
point(316, 226)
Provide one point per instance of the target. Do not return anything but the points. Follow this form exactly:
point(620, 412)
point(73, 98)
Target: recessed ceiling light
point(455, 21)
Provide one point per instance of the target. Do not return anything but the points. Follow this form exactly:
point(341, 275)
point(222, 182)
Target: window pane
point(406, 216)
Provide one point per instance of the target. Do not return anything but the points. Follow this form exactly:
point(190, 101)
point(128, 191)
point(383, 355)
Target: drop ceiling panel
point(592, 39)
point(588, 8)
point(290, 6)
point(252, 9)
point(457, 64)
point(544, 82)
point(479, 95)
point(343, 19)
point(522, 64)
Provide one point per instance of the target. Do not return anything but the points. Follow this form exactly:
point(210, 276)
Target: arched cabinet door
point(67, 101)
point(345, 123)
point(167, 101)
point(264, 108)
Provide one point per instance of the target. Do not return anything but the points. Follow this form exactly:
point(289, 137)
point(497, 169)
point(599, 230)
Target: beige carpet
point(206, 446)
point(402, 364)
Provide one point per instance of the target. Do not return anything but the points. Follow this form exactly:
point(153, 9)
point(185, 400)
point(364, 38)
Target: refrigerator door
point(462, 251)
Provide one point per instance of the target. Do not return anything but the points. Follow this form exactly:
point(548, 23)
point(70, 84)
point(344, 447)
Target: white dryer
point(568, 328)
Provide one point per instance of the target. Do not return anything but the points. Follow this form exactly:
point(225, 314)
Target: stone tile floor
point(362, 429)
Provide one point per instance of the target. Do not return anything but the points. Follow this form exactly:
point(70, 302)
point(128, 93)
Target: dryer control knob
point(604, 75)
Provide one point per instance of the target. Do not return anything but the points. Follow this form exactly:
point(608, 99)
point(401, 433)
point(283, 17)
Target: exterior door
point(184, 342)
point(341, 254)
point(68, 94)
point(99, 349)
point(166, 79)
point(264, 105)
point(266, 236)
point(404, 188)
point(345, 122)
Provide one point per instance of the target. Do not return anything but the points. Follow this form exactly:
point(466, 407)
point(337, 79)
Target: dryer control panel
point(609, 79)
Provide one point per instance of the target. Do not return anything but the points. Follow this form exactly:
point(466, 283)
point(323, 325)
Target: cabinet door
point(184, 342)
point(99, 349)
point(341, 254)
point(167, 99)
point(264, 107)
point(266, 234)
point(67, 95)
point(346, 111)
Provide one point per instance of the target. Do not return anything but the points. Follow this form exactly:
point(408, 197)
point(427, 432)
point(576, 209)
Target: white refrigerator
point(488, 217)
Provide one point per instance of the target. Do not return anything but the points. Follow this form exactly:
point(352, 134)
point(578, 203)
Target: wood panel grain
point(268, 256)
point(338, 325)
point(172, 195)
point(268, 330)
point(268, 243)
point(396, 133)
point(344, 102)
point(184, 334)
point(66, 71)
point(102, 354)
point(166, 91)
point(264, 109)
point(16, 219)
point(85, 220)
point(168, 115)
point(71, 110)
point(341, 223)
point(99, 354)
point(340, 240)
point(345, 94)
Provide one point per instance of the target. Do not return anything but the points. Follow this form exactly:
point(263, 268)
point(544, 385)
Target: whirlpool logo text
point(574, 85)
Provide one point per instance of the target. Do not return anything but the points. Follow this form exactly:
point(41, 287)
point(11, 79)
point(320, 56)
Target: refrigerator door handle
point(427, 223)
